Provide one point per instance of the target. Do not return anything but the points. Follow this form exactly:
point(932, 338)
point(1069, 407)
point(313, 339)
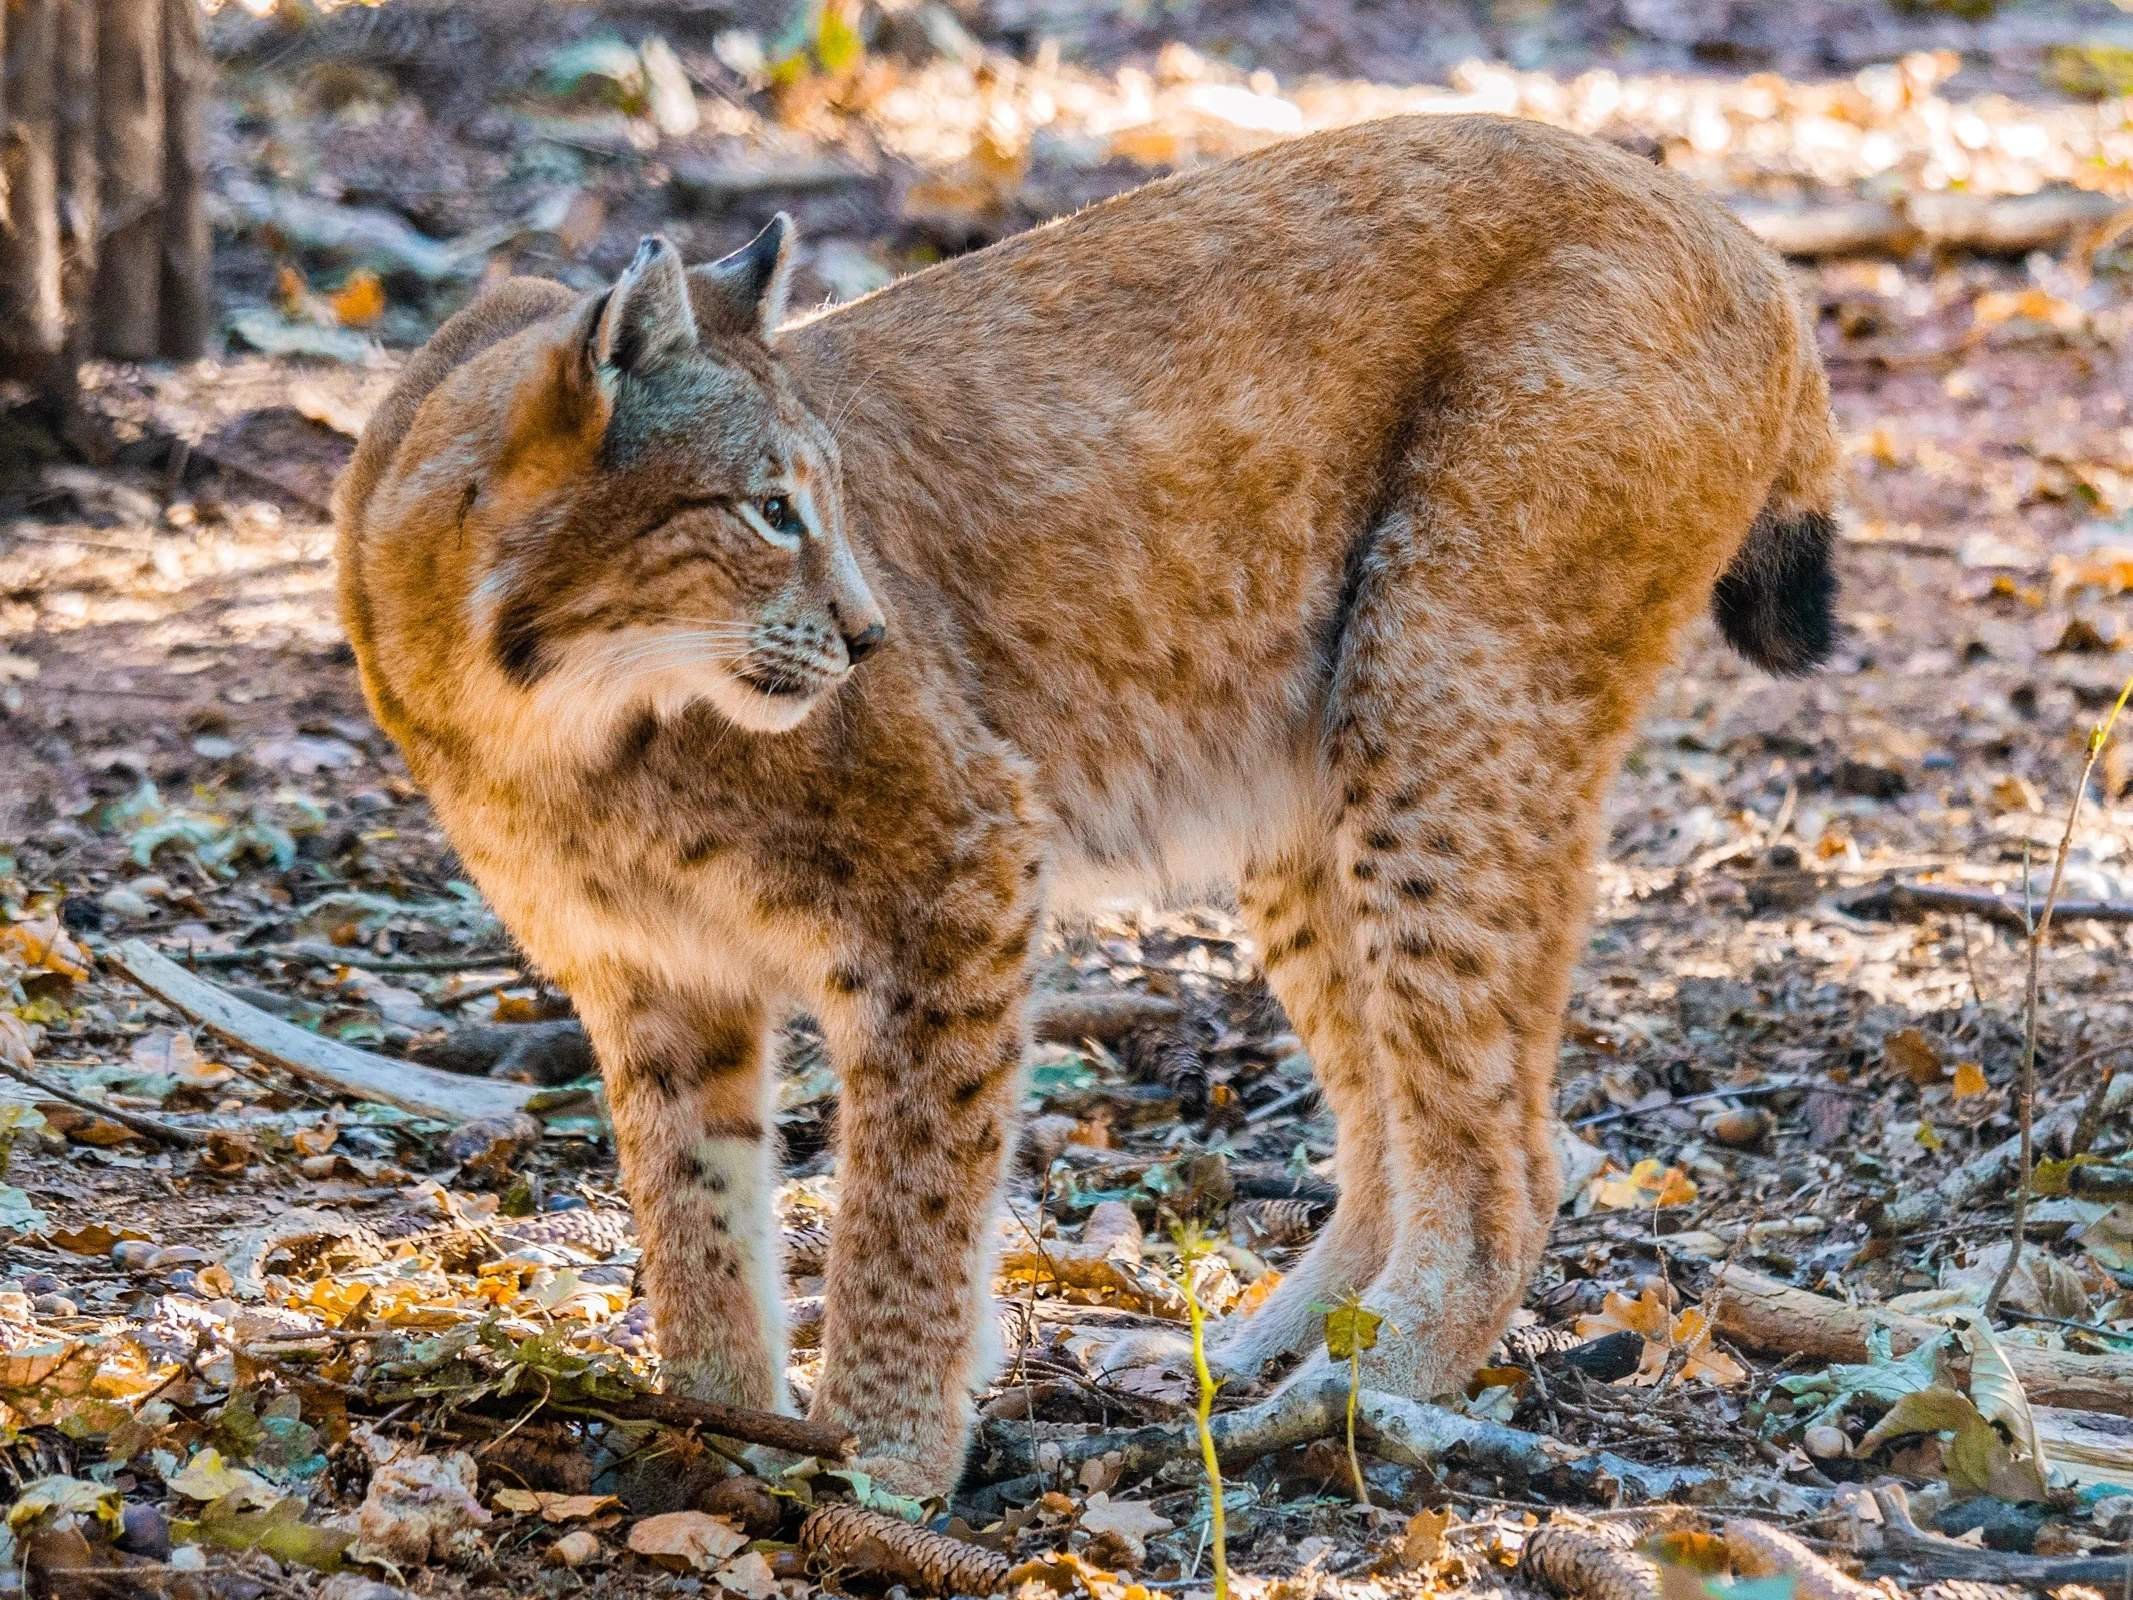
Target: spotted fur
point(1320, 520)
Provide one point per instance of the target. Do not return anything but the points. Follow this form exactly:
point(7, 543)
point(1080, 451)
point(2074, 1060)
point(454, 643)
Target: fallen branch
point(851, 1540)
point(1758, 1550)
point(1766, 1315)
point(147, 1127)
point(363, 234)
point(1910, 1551)
point(422, 1090)
point(1894, 901)
point(1995, 1168)
point(2006, 224)
point(1405, 1432)
point(800, 1435)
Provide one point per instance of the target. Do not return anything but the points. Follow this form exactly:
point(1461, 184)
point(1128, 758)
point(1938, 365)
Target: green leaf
point(1351, 1328)
point(1778, 1586)
point(18, 1215)
point(61, 1496)
point(876, 1499)
point(837, 43)
point(279, 1530)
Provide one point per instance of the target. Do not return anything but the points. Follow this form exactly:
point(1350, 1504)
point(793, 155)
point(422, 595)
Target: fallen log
point(1766, 1315)
point(1405, 1432)
point(422, 1090)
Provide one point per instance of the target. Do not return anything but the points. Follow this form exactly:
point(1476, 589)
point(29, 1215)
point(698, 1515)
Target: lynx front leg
point(931, 1051)
point(688, 1088)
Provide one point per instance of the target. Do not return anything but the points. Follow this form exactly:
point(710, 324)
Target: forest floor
point(235, 1307)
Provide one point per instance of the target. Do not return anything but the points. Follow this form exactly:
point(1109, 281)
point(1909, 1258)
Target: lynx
point(1319, 520)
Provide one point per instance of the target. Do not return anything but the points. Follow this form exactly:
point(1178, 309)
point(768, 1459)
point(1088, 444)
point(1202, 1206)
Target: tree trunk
point(80, 181)
point(130, 143)
point(188, 299)
point(32, 322)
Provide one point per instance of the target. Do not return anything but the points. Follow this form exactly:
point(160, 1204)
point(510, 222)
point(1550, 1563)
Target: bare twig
point(147, 1127)
point(1897, 900)
point(2099, 736)
point(333, 955)
point(1758, 1550)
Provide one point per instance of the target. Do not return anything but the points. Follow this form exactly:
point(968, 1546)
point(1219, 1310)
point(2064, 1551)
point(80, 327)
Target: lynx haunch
point(1319, 521)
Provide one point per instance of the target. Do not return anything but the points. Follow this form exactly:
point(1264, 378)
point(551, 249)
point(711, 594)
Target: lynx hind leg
point(1472, 787)
point(1301, 916)
point(1297, 910)
point(688, 1085)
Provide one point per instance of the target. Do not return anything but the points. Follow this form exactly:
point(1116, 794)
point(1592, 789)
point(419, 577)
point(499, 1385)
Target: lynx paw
point(1160, 1347)
point(921, 1480)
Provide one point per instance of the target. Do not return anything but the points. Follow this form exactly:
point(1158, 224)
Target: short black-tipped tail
point(1776, 604)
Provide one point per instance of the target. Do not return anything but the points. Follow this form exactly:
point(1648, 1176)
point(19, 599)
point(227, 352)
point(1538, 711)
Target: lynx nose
point(858, 646)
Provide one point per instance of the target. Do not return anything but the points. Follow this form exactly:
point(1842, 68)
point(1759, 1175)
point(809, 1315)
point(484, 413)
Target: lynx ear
point(646, 318)
point(744, 293)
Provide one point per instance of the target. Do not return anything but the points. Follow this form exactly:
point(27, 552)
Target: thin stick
point(2099, 736)
point(146, 1127)
point(327, 955)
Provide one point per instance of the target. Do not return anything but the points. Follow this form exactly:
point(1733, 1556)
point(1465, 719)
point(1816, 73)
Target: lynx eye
point(777, 512)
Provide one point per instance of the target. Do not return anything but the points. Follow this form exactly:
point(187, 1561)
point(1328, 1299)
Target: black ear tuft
point(646, 318)
point(744, 293)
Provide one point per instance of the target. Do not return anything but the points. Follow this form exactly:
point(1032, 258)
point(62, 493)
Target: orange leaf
point(1969, 1080)
point(360, 301)
point(41, 943)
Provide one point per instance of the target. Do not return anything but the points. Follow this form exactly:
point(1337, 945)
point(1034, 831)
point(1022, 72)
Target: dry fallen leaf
point(1644, 1186)
point(747, 1575)
point(1664, 1332)
point(1424, 1540)
point(1969, 1080)
point(1911, 1053)
point(1134, 1518)
point(42, 945)
point(553, 1507)
point(681, 1539)
point(360, 301)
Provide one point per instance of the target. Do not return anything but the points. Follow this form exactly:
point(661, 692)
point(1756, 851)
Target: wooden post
point(188, 296)
point(130, 144)
point(32, 322)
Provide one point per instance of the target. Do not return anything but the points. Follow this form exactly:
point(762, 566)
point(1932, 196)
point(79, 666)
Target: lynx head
point(639, 512)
